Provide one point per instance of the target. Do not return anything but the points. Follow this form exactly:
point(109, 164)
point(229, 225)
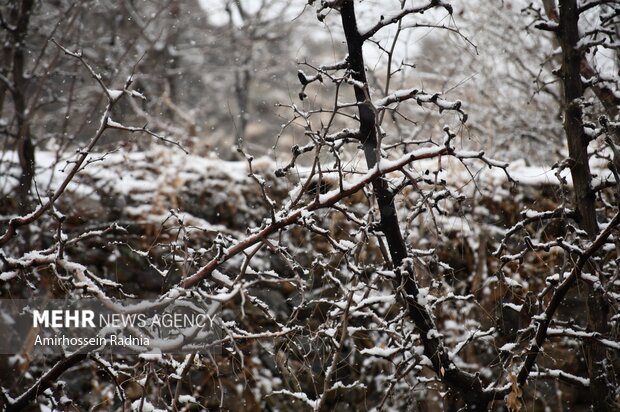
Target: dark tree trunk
point(468, 385)
point(20, 15)
point(243, 78)
point(368, 136)
point(573, 122)
point(598, 309)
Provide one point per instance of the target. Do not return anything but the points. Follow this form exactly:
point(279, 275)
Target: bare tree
point(383, 264)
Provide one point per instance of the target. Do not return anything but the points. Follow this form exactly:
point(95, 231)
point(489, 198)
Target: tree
point(383, 264)
point(575, 42)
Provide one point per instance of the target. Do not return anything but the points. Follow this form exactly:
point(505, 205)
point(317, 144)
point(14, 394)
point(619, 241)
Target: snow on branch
point(558, 297)
point(322, 201)
point(387, 20)
point(421, 98)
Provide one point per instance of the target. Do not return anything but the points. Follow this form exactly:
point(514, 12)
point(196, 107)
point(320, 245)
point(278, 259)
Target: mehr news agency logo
point(89, 319)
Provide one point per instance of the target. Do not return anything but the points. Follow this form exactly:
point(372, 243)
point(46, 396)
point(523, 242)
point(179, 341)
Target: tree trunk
point(468, 385)
point(573, 122)
point(25, 149)
point(598, 309)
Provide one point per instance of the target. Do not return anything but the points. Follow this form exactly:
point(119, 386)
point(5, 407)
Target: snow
point(582, 335)
point(346, 244)
point(513, 306)
point(530, 175)
point(382, 166)
point(115, 94)
point(219, 276)
point(298, 395)
point(114, 124)
point(383, 352)
point(187, 399)
point(5, 276)
point(423, 296)
point(425, 361)
point(591, 278)
point(371, 300)
point(433, 334)
point(143, 405)
point(151, 356)
point(557, 373)
point(511, 282)
point(508, 347)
